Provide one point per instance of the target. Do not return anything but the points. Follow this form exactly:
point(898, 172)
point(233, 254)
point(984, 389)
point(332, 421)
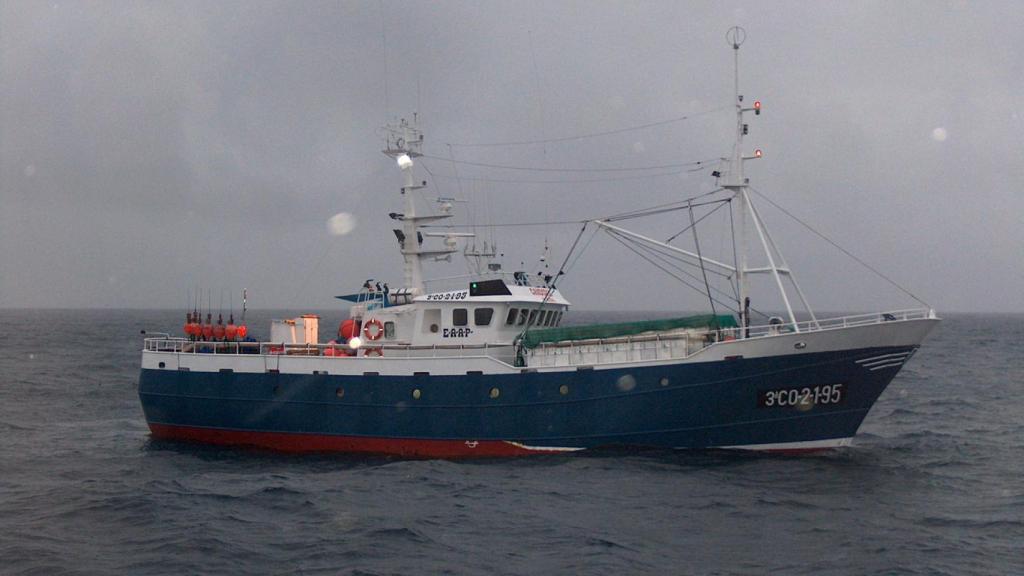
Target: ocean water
point(933, 485)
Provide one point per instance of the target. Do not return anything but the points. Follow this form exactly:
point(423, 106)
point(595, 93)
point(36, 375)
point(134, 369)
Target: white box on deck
point(302, 330)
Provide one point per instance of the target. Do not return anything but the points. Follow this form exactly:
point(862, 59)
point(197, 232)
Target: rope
point(551, 284)
point(633, 249)
point(571, 181)
point(703, 271)
point(843, 250)
point(593, 134)
point(539, 169)
point(692, 223)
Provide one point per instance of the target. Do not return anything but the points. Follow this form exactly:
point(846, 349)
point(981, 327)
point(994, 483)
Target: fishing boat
point(490, 366)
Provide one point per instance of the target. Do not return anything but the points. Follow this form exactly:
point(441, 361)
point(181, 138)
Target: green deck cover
point(533, 338)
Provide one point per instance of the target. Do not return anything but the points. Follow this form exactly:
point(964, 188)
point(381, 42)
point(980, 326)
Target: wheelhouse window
point(460, 317)
point(523, 314)
point(512, 313)
point(482, 316)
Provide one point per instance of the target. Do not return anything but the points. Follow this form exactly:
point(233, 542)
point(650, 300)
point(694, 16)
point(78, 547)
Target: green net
point(534, 338)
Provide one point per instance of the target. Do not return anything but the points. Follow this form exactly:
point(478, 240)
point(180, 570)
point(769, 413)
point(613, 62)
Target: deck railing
point(186, 346)
point(832, 323)
point(463, 280)
point(659, 346)
point(683, 344)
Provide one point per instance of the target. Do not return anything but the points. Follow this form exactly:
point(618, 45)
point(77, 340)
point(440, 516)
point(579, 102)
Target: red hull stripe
point(293, 442)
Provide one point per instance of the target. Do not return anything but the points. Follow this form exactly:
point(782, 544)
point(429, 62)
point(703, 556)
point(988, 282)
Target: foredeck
point(685, 344)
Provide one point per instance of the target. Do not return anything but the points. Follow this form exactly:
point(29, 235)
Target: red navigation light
point(757, 107)
point(757, 153)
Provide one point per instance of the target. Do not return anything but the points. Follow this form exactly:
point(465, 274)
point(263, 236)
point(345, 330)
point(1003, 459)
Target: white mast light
point(404, 162)
point(355, 342)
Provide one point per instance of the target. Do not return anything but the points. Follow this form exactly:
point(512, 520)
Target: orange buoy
point(331, 350)
point(218, 329)
point(242, 332)
point(373, 329)
point(231, 331)
point(336, 348)
point(208, 328)
point(348, 329)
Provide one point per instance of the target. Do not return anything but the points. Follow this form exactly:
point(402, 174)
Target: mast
point(735, 181)
point(404, 142)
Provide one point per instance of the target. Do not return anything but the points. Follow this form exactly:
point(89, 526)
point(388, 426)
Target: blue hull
point(695, 405)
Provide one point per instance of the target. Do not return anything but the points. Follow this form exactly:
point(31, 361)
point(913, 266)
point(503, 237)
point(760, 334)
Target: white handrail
point(668, 341)
point(545, 353)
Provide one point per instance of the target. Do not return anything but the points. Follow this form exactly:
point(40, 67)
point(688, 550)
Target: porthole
point(416, 394)
point(563, 390)
point(495, 392)
point(162, 364)
point(340, 393)
point(664, 381)
point(433, 328)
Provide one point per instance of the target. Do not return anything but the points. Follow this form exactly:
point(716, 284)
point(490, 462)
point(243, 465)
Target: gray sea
point(933, 485)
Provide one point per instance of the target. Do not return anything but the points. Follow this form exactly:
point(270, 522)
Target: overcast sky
point(147, 148)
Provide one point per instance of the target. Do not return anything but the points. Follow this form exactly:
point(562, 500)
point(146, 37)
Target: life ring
point(374, 351)
point(373, 334)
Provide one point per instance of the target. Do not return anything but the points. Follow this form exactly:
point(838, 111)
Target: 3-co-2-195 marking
point(802, 396)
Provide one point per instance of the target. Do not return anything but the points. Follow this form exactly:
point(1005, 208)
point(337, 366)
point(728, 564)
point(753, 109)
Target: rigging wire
point(458, 181)
point(591, 134)
point(584, 249)
point(653, 212)
point(662, 268)
point(692, 224)
point(509, 224)
point(384, 50)
point(659, 209)
point(655, 255)
point(703, 270)
point(840, 248)
point(674, 261)
point(570, 181)
point(629, 214)
point(735, 258)
point(456, 169)
point(666, 260)
point(536, 81)
point(541, 169)
point(676, 257)
point(553, 282)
